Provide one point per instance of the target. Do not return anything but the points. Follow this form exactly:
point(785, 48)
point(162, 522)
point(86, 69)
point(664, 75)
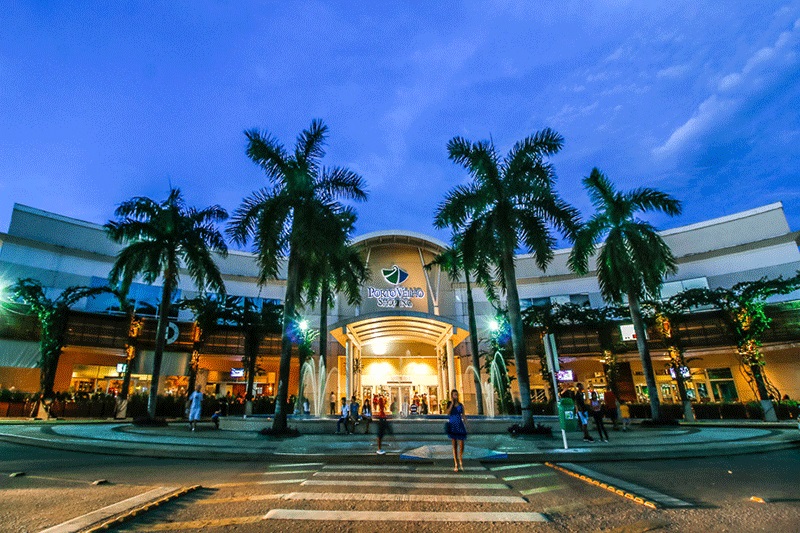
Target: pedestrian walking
point(625, 414)
point(596, 410)
point(195, 406)
point(610, 406)
point(383, 423)
point(456, 429)
point(345, 414)
point(582, 411)
point(333, 403)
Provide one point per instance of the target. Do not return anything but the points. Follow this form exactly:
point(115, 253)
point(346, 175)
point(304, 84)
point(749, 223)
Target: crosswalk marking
point(529, 476)
point(539, 490)
point(402, 516)
point(405, 484)
point(293, 465)
point(278, 473)
point(425, 475)
point(514, 467)
point(389, 497)
point(413, 468)
point(267, 482)
point(196, 524)
point(251, 498)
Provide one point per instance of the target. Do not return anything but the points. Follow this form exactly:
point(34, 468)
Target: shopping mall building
point(409, 335)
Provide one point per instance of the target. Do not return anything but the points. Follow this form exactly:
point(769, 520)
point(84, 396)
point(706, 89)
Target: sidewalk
point(176, 441)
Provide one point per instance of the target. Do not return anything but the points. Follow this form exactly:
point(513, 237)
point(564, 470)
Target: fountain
point(315, 378)
point(488, 393)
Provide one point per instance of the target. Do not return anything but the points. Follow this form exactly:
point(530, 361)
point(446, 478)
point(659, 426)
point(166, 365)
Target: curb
point(142, 509)
point(331, 456)
point(619, 492)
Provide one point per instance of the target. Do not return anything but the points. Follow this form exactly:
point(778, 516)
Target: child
point(625, 413)
point(215, 417)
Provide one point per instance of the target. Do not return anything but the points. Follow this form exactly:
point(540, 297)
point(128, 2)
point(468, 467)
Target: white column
point(348, 369)
point(451, 367)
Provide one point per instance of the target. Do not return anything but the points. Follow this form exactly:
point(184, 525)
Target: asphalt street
point(315, 495)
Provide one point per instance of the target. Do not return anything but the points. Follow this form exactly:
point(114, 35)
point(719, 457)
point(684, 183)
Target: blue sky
point(102, 101)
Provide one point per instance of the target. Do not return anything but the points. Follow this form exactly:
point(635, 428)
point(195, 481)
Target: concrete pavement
point(176, 441)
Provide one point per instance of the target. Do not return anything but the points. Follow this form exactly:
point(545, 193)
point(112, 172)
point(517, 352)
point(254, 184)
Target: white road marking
point(367, 467)
point(406, 484)
point(539, 490)
point(423, 475)
point(278, 473)
point(514, 467)
point(254, 497)
point(529, 476)
point(269, 482)
point(388, 497)
point(401, 516)
point(294, 465)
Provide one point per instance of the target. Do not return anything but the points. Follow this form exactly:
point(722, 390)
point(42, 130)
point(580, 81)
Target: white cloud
point(675, 71)
point(761, 71)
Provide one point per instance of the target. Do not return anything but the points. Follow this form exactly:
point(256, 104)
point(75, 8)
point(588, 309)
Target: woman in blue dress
point(456, 430)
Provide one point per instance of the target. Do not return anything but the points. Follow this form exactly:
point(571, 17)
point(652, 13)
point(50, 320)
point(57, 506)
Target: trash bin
point(566, 414)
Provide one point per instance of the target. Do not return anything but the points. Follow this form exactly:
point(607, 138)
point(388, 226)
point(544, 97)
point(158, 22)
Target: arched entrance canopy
point(399, 326)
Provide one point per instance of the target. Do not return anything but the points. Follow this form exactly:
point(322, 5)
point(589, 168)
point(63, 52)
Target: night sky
point(102, 101)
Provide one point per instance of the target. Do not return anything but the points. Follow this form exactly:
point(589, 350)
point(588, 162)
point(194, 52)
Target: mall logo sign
point(397, 296)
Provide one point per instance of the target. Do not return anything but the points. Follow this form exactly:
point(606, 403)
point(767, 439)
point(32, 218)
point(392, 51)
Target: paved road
point(319, 496)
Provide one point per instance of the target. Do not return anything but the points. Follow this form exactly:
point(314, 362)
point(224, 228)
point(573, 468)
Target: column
point(348, 369)
point(451, 367)
point(440, 378)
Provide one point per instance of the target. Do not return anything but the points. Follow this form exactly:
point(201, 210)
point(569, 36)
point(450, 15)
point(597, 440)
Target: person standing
point(596, 410)
point(195, 407)
point(456, 429)
point(333, 403)
point(583, 413)
point(383, 423)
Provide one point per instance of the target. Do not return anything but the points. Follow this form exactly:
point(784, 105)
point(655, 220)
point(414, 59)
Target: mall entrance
point(408, 358)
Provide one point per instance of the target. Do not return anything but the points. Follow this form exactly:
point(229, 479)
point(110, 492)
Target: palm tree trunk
point(292, 279)
point(161, 341)
point(644, 355)
point(473, 344)
point(517, 338)
point(323, 324)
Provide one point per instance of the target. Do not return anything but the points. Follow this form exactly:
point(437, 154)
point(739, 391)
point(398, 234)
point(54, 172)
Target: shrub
point(754, 411)
point(639, 410)
point(787, 410)
point(706, 411)
point(732, 411)
point(538, 429)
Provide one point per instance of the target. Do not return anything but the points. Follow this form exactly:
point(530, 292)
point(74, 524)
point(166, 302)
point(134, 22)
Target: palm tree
point(52, 315)
point(161, 238)
point(254, 323)
point(510, 203)
point(135, 325)
point(633, 260)
point(211, 312)
point(283, 220)
point(451, 260)
point(338, 267)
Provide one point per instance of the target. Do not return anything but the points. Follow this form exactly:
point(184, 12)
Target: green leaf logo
point(394, 275)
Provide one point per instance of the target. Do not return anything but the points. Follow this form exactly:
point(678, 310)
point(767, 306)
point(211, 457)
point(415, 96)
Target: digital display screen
point(565, 375)
point(685, 372)
point(237, 372)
